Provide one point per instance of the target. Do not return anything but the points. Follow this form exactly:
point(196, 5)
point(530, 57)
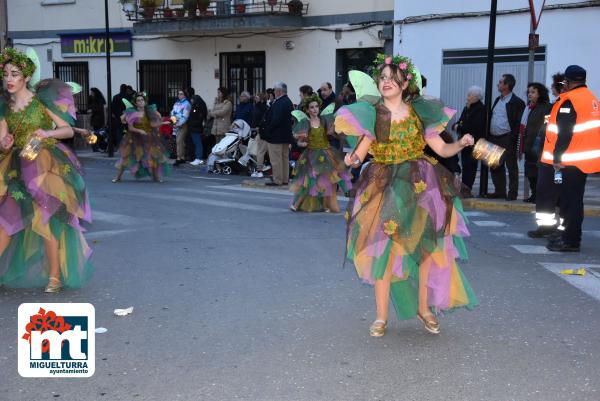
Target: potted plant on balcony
point(191, 6)
point(295, 7)
point(240, 7)
point(149, 7)
point(203, 6)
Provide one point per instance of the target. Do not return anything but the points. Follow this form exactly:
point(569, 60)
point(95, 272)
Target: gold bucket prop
point(32, 149)
point(488, 153)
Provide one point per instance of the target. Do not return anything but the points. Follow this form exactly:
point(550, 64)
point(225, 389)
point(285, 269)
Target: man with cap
point(572, 147)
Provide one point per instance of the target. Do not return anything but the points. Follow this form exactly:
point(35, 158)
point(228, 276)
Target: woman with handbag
point(531, 123)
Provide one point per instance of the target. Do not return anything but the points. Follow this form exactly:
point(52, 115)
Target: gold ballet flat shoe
point(377, 329)
point(430, 325)
point(54, 285)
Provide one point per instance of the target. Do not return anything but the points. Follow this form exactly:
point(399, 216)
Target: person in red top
point(573, 147)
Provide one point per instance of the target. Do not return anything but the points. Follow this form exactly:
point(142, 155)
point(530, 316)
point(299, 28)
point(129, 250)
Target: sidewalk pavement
point(591, 198)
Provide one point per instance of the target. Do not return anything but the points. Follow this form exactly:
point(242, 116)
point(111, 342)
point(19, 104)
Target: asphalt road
point(236, 297)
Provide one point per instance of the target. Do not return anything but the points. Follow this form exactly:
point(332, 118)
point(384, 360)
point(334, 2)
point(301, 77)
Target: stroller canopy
point(240, 128)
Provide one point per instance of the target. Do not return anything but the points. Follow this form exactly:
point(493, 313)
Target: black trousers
point(571, 203)
point(469, 167)
point(509, 161)
point(547, 192)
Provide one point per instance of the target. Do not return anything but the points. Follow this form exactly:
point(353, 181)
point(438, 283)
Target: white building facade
point(222, 46)
point(448, 41)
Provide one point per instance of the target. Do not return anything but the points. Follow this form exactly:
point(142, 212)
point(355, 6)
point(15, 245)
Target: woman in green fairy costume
point(43, 196)
point(405, 224)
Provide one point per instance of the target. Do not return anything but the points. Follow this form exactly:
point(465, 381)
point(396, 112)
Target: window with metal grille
point(162, 79)
point(75, 72)
point(243, 72)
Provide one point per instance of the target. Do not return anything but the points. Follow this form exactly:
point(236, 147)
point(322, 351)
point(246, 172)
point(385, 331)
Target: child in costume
point(43, 195)
point(320, 169)
point(141, 149)
point(406, 223)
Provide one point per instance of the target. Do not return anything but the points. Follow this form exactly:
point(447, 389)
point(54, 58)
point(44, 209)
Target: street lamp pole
point(107, 47)
point(489, 76)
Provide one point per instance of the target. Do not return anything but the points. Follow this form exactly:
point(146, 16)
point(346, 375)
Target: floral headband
point(142, 94)
point(311, 98)
point(404, 64)
point(12, 56)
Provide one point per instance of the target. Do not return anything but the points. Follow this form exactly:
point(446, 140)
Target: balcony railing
point(168, 10)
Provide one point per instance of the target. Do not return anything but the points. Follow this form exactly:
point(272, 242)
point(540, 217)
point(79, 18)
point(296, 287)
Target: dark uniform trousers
point(508, 142)
point(547, 192)
point(571, 203)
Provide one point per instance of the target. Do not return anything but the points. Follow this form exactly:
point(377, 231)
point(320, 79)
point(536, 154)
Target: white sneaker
point(196, 162)
point(266, 168)
point(257, 174)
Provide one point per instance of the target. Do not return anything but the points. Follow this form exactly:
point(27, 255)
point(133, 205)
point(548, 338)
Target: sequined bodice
point(23, 123)
point(142, 122)
point(405, 142)
point(317, 138)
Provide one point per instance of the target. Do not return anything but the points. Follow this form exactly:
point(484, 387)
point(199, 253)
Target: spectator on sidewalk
point(96, 104)
point(196, 125)
point(258, 115)
point(327, 94)
point(471, 121)
point(117, 107)
point(181, 112)
point(244, 108)
point(278, 134)
point(531, 123)
point(221, 114)
point(504, 130)
point(547, 192)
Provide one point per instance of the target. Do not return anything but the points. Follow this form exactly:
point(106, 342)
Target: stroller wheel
point(227, 170)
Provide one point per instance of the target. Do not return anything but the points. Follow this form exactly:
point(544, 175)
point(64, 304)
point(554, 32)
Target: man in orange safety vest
point(572, 146)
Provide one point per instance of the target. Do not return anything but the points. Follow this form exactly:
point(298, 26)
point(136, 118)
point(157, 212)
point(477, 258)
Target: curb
point(471, 203)
point(481, 204)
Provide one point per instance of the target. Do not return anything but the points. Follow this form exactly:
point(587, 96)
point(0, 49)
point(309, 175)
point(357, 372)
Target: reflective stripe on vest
point(574, 156)
point(586, 126)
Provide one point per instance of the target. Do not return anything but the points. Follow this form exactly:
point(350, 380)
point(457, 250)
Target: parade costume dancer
point(42, 192)
point(320, 169)
point(141, 149)
point(405, 225)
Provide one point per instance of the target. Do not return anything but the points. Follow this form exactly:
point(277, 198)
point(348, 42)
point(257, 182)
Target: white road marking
point(107, 233)
point(211, 202)
point(266, 191)
point(590, 283)
point(489, 223)
point(532, 249)
point(114, 218)
point(209, 178)
point(510, 235)
point(225, 193)
point(593, 233)
point(476, 214)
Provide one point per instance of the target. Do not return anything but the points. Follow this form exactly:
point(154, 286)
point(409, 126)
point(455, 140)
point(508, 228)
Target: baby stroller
point(225, 155)
point(102, 140)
